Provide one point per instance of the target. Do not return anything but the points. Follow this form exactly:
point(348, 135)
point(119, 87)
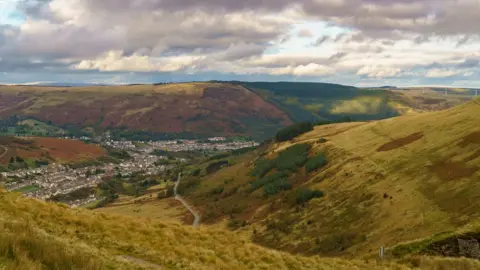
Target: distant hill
point(192, 110)
point(18, 153)
point(347, 189)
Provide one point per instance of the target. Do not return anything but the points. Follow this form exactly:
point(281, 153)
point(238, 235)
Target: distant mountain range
point(254, 109)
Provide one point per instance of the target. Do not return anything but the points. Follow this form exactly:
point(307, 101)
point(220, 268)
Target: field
point(51, 149)
point(26, 189)
point(386, 182)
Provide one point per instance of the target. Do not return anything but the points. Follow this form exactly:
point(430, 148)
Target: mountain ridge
point(204, 109)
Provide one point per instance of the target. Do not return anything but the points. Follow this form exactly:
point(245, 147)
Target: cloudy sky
point(357, 42)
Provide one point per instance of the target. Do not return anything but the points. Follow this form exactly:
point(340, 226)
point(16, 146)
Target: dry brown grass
point(372, 198)
point(41, 235)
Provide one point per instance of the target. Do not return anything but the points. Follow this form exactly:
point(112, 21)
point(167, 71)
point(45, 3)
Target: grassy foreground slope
point(39, 235)
point(386, 182)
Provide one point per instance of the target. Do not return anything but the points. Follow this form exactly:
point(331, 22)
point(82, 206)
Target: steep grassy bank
point(384, 183)
point(39, 235)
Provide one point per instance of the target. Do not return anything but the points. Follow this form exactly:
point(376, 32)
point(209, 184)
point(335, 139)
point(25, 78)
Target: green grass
point(38, 127)
point(27, 189)
point(91, 205)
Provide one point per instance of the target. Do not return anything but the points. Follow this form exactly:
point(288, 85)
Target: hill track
point(5, 151)
point(196, 215)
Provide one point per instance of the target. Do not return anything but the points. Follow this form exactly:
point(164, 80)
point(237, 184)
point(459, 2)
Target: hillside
point(39, 235)
point(33, 149)
point(320, 101)
point(187, 110)
point(347, 189)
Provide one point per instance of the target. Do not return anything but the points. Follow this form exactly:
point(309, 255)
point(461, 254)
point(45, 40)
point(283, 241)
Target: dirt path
point(139, 262)
point(195, 214)
point(5, 151)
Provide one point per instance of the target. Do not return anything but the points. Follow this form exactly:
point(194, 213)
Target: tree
point(293, 131)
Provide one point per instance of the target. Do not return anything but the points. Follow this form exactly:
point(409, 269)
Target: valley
point(324, 194)
point(380, 183)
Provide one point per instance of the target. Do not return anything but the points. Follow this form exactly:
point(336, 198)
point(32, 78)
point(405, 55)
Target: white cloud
point(378, 71)
point(348, 41)
point(117, 61)
point(440, 73)
point(311, 69)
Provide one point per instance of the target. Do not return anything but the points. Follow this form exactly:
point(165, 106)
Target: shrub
point(322, 140)
point(323, 122)
point(119, 154)
point(276, 186)
point(219, 156)
point(234, 224)
point(39, 163)
point(217, 190)
point(262, 167)
point(269, 179)
point(242, 151)
point(316, 162)
point(304, 195)
point(293, 131)
point(216, 166)
point(196, 172)
point(293, 157)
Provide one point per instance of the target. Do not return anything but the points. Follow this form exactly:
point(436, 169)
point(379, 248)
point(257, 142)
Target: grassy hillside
point(190, 109)
point(16, 153)
point(320, 101)
point(201, 109)
point(39, 235)
point(347, 189)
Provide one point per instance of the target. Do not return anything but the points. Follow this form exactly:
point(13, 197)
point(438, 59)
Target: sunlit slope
point(38, 235)
point(393, 180)
point(320, 101)
point(385, 182)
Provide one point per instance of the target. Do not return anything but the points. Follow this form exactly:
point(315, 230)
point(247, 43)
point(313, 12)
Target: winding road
point(196, 215)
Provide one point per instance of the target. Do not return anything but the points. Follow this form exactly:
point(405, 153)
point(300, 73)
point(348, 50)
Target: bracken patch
point(395, 144)
point(472, 138)
point(452, 170)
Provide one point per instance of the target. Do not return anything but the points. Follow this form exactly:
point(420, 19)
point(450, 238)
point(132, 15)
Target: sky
point(353, 42)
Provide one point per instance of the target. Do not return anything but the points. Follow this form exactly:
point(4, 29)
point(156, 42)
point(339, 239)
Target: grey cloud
point(374, 17)
point(158, 32)
point(9, 64)
point(338, 56)
point(463, 40)
point(242, 50)
point(469, 63)
point(421, 39)
point(320, 41)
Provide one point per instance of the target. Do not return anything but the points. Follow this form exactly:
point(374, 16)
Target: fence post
point(382, 252)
